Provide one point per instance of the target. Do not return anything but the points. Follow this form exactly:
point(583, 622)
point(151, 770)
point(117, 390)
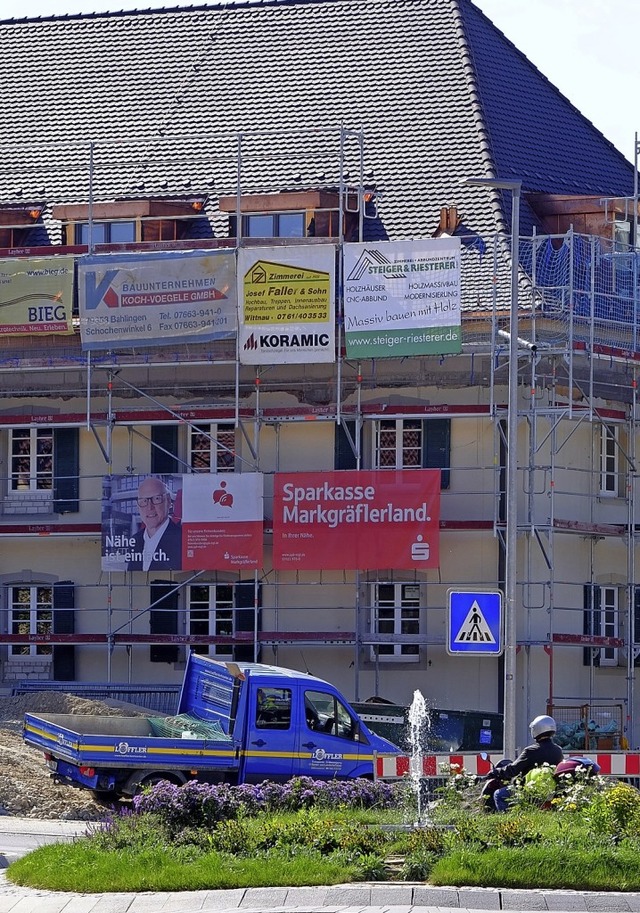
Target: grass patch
point(80, 867)
point(613, 869)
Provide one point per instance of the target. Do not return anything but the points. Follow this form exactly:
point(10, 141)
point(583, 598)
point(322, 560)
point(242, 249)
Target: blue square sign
point(474, 623)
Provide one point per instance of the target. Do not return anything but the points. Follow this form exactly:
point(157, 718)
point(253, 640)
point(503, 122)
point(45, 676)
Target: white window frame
point(215, 617)
point(31, 470)
point(37, 618)
point(216, 444)
point(609, 618)
point(609, 461)
point(392, 446)
point(400, 604)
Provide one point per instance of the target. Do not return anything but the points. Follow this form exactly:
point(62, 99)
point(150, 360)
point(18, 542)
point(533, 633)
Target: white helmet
point(542, 725)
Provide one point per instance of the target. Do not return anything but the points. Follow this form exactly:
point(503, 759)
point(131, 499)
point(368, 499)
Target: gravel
point(26, 787)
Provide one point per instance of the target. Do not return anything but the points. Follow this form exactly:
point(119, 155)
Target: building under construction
point(248, 126)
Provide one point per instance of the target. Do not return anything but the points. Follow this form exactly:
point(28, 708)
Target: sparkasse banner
point(286, 304)
point(402, 298)
point(148, 299)
point(36, 296)
point(357, 519)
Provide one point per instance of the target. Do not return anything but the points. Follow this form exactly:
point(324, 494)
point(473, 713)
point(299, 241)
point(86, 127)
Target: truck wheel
point(152, 779)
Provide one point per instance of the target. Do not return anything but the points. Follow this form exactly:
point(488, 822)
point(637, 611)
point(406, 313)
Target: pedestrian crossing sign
point(474, 622)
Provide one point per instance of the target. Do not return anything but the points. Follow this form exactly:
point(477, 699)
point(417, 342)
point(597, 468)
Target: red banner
point(369, 520)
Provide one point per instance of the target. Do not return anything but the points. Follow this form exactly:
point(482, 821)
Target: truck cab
point(290, 723)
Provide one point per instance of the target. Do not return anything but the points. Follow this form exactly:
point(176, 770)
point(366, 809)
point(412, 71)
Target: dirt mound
point(26, 787)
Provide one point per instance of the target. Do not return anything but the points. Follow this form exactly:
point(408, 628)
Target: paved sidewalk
point(365, 898)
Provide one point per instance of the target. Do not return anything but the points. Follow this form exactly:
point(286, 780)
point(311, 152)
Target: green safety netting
point(185, 726)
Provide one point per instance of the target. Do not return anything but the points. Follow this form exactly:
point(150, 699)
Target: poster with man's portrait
point(201, 521)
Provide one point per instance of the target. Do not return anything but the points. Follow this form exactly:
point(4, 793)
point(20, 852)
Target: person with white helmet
point(543, 750)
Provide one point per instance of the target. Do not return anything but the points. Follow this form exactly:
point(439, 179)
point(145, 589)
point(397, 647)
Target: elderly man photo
point(158, 543)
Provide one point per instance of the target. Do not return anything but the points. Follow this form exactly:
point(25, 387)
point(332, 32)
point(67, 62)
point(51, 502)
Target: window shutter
point(164, 449)
point(64, 655)
point(436, 448)
point(163, 619)
point(244, 598)
point(344, 457)
point(66, 470)
point(591, 624)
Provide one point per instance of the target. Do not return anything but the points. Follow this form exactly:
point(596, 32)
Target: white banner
point(286, 304)
point(402, 298)
point(148, 299)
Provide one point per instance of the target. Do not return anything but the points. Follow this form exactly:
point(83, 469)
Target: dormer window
point(603, 218)
point(304, 214)
point(17, 223)
point(275, 225)
point(130, 221)
point(124, 232)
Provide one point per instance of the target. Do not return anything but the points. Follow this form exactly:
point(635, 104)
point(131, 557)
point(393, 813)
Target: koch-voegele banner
point(149, 299)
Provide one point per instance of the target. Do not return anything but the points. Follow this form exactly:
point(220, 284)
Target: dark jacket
point(168, 550)
point(543, 752)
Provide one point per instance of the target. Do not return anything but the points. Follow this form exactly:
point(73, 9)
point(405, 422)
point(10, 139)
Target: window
point(325, 713)
point(121, 232)
point(21, 225)
point(273, 708)
point(398, 444)
point(31, 459)
point(275, 225)
point(601, 619)
point(396, 611)
point(609, 623)
point(211, 614)
point(609, 461)
point(132, 221)
point(408, 443)
point(212, 447)
point(31, 613)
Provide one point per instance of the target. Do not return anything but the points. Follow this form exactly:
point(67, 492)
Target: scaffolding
point(578, 363)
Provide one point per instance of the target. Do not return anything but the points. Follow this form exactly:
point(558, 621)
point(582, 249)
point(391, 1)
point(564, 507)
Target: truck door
point(271, 738)
point(329, 743)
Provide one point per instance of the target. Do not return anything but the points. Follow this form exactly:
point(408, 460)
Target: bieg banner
point(402, 298)
point(148, 299)
point(287, 304)
point(36, 296)
point(171, 522)
point(366, 520)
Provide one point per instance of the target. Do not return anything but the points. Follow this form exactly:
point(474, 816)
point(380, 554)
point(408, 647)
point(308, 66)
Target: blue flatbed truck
point(236, 723)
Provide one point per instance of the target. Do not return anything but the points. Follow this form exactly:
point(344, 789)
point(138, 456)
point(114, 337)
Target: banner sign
point(287, 304)
point(202, 521)
point(36, 296)
point(402, 298)
point(365, 520)
point(148, 299)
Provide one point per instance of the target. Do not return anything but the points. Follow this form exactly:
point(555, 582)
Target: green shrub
point(615, 813)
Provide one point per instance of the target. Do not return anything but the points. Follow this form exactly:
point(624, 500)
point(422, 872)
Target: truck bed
point(123, 742)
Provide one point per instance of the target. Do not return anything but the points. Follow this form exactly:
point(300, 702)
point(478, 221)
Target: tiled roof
point(437, 91)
